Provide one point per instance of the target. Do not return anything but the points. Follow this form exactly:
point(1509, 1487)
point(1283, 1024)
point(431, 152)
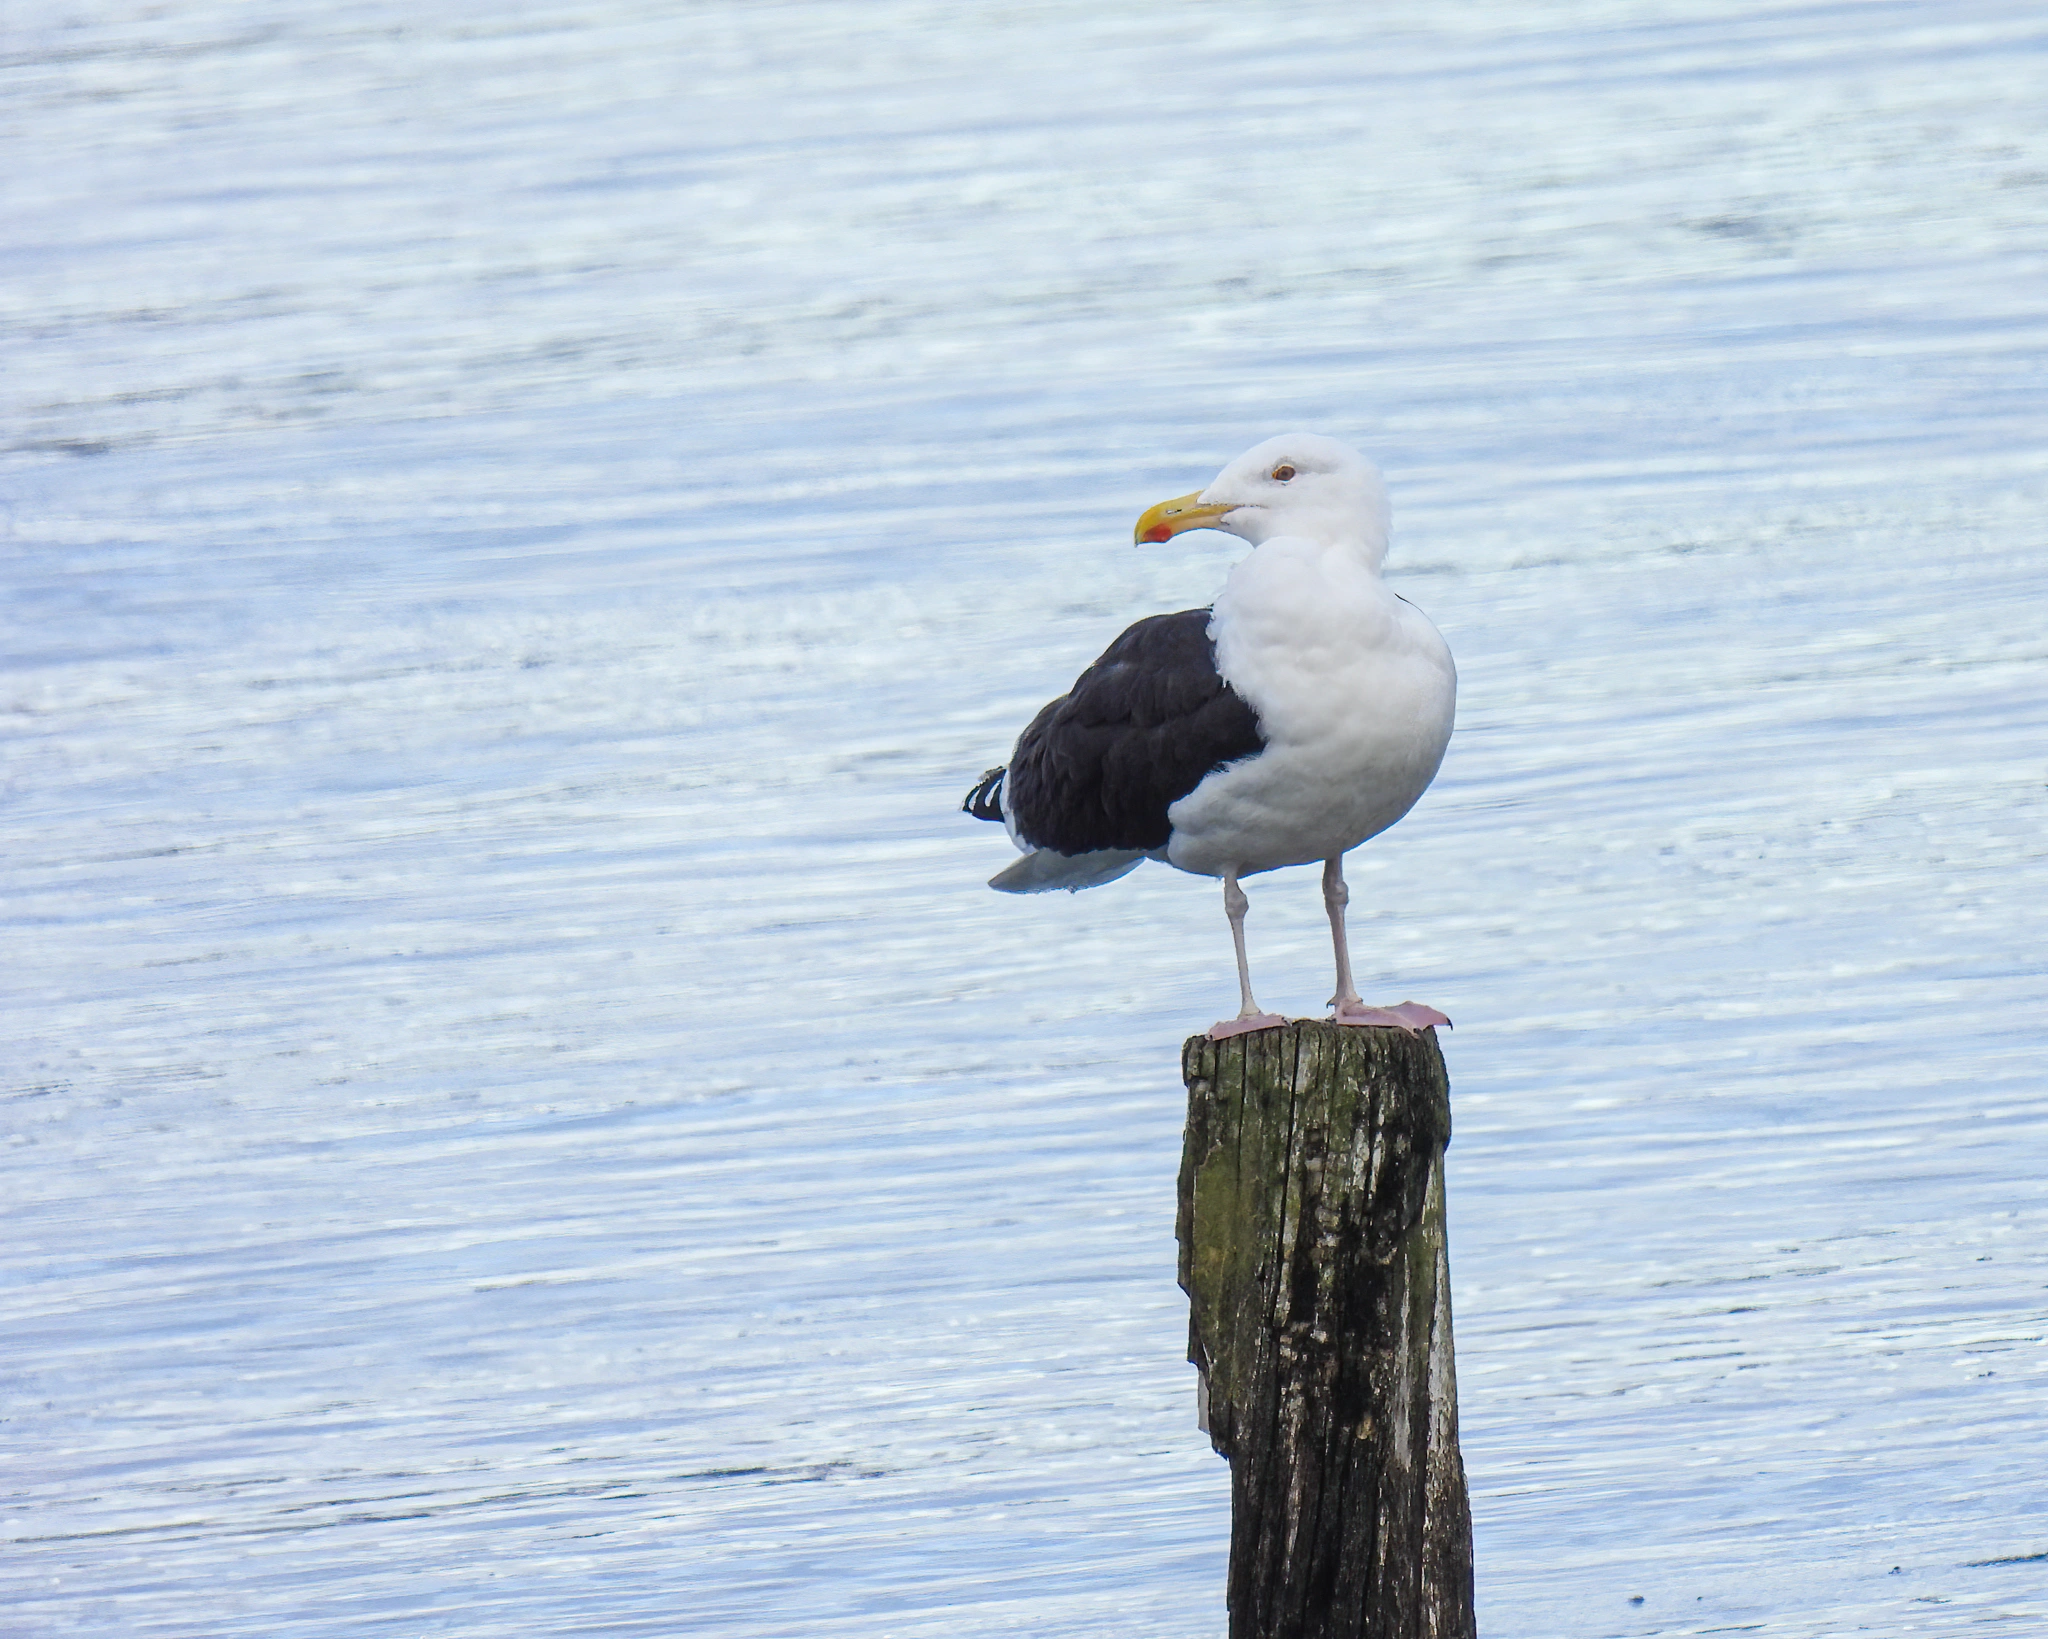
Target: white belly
point(1355, 692)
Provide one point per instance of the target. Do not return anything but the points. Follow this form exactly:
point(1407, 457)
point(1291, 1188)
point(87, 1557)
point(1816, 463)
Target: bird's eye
point(1282, 473)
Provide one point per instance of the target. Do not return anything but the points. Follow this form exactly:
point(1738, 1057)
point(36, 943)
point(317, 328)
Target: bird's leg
point(1336, 895)
point(1350, 1007)
point(1249, 1017)
point(1234, 906)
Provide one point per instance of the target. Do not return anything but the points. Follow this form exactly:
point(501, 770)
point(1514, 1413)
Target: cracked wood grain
point(1312, 1250)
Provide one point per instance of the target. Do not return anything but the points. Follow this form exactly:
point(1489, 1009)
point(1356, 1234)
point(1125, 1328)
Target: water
point(520, 524)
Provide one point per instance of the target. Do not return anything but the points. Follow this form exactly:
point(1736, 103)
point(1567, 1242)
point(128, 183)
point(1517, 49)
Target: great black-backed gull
point(1302, 713)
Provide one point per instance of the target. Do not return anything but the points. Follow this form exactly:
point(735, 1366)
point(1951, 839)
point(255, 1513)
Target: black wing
point(1142, 727)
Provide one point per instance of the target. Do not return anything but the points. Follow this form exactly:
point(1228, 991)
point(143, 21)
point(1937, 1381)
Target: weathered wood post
point(1312, 1250)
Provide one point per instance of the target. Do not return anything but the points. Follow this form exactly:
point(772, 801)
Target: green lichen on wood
point(1313, 1253)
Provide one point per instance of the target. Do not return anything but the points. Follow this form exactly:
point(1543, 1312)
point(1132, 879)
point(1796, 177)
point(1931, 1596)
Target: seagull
point(1304, 711)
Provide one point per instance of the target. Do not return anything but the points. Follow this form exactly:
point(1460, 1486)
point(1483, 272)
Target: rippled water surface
point(519, 525)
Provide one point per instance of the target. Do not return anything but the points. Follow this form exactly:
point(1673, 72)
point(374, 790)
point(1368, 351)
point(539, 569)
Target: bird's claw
point(1412, 1017)
point(1224, 1029)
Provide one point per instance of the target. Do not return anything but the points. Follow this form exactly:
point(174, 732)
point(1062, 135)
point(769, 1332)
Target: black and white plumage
point(1098, 769)
point(1304, 712)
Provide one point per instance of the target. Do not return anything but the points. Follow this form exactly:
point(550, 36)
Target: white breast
point(1355, 692)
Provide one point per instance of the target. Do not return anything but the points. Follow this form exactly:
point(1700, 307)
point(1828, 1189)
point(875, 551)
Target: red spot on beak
point(1161, 532)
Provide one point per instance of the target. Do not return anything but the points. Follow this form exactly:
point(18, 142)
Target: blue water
point(521, 522)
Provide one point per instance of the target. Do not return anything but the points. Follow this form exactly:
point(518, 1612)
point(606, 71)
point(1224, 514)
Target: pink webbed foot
point(1412, 1017)
point(1224, 1029)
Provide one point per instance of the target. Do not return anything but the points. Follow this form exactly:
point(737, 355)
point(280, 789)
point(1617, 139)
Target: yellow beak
point(1169, 518)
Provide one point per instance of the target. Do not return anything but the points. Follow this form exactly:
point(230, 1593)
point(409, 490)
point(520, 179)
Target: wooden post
point(1312, 1250)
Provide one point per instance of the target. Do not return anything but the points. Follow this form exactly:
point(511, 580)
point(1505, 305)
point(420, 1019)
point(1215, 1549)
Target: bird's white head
point(1298, 484)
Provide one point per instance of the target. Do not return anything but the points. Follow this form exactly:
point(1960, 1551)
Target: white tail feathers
point(1042, 870)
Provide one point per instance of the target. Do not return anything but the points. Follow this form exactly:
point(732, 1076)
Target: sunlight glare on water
point(520, 525)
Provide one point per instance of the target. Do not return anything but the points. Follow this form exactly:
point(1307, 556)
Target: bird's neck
point(1369, 553)
point(1351, 554)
